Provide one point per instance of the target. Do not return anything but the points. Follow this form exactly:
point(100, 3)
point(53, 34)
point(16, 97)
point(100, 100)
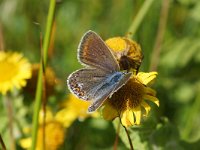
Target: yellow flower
point(14, 70)
point(73, 108)
point(54, 133)
point(54, 137)
point(129, 101)
point(50, 81)
point(127, 52)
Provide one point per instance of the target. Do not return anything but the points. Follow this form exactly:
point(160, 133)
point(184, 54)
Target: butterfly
point(101, 75)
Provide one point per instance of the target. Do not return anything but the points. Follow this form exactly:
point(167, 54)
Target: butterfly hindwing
point(83, 82)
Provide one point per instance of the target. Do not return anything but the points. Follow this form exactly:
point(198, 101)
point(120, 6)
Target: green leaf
point(165, 136)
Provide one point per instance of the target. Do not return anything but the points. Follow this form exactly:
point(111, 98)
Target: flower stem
point(129, 138)
point(160, 35)
point(139, 17)
point(2, 46)
point(44, 111)
point(9, 107)
point(117, 137)
point(2, 143)
point(40, 75)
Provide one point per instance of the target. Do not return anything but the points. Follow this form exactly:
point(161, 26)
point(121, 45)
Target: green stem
point(117, 137)
point(2, 46)
point(160, 35)
point(139, 17)
point(9, 107)
point(48, 30)
point(40, 75)
point(129, 138)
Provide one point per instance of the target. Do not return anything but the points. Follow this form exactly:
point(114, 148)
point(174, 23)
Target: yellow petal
point(117, 44)
point(54, 133)
point(137, 113)
point(109, 113)
point(48, 117)
point(25, 143)
point(150, 91)
point(152, 98)
point(146, 107)
point(26, 130)
point(14, 71)
point(66, 116)
point(78, 107)
point(127, 118)
point(145, 78)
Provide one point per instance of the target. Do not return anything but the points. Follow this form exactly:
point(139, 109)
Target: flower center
point(129, 96)
point(7, 70)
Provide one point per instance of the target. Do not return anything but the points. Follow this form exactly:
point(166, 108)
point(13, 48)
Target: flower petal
point(109, 113)
point(146, 107)
point(137, 113)
point(150, 91)
point(66, 116)
point(48, 117)
point(14, 71)
point(78, 107)
point(117, 44)
point(152, 98)
point(25, 143)
point(145, 78)
point(127, 118)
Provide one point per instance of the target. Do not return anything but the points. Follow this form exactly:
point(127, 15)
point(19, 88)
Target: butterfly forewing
point(93, 52)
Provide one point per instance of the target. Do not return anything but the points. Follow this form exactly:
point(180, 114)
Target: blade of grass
point(160, 35)
point(3, 146)
point(40, 75)
point(2, 46)
point(139, 17)
point(44, 110)
point(9, 107)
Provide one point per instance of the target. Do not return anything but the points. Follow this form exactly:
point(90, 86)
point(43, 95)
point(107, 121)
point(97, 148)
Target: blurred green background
point(176, 123)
